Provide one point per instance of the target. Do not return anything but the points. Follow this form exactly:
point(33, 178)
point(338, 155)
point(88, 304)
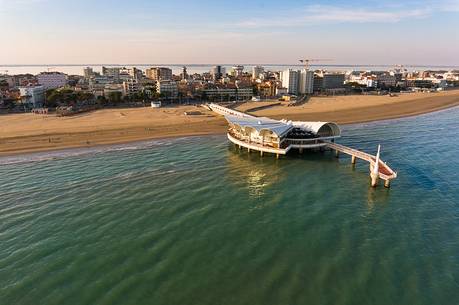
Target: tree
point(114, 97)
point(101, 100)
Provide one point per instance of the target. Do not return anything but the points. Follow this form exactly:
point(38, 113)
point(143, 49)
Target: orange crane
point(307, 61)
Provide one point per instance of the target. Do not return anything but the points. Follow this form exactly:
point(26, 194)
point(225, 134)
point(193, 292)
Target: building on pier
point(278, 137)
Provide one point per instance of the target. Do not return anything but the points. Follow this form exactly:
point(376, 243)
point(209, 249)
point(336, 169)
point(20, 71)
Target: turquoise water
point(195, 221)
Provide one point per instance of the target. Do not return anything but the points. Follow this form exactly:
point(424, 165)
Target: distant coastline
point(77, 69)
point(116, 126)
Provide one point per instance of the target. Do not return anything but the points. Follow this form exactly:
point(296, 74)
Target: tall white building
point(256, 71)
point(33, 95)
point(217, 72)
point(238, 70)
point(290, 80)
point(306, 82)
point(52, 80)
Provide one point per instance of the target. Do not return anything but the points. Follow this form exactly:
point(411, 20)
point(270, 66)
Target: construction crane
point(307, 61)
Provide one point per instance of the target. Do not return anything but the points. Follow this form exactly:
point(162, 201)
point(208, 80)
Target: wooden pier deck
point(384, 171)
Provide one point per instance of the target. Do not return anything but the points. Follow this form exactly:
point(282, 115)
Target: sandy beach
point(20, 133)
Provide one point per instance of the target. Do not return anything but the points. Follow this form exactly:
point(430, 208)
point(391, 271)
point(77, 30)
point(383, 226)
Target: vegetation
point(114, 97)
point(66, 97)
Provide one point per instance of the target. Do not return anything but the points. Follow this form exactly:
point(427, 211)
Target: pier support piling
point(353, 160)
point(337, 153)
point(261, 153)
point(387, 183)
point(277, 156)
point(301, 150)
point(374, 179)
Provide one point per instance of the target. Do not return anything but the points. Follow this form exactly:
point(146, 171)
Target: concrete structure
point(318, 83)
point(256, 71)
point(217, 72)
point(378, 168)
point(306, 82)
point(333, 81)
point(159, 73)
point(88, 73)
point(113, 88)
point(290, 79)
point(267, 89)
point(130, 87)
point(225, 93)
point(33, 96)
point(238, 71)
point(184, 74)
point(280, 136)
point(386, 80)
point(135, 73)
point(280, 91)
point(168, 89)
point(52, 80)
point(113, 73)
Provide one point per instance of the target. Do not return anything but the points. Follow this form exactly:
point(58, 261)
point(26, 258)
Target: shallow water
point(195, 221)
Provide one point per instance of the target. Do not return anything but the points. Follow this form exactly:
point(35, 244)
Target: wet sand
point(20, 133)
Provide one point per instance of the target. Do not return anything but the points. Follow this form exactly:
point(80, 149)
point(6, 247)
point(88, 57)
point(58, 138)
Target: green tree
point(101, 100)
point(114, 97)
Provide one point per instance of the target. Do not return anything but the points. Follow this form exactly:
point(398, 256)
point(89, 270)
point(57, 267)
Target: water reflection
point(377, 197)
point(253, 173)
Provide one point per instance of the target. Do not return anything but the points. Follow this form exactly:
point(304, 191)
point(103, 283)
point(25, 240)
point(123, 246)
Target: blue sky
point(140, 31)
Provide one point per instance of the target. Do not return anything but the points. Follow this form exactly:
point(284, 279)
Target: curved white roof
point(314, 127)
point(260, 124)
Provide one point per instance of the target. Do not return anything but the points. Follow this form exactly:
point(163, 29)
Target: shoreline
point(170, 123)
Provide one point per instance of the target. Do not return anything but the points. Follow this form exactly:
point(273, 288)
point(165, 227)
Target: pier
point(278, 137)
point(378, 168)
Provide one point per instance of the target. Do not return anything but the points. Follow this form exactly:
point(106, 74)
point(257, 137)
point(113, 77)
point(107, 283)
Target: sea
point(196, 221)
point(77, 69)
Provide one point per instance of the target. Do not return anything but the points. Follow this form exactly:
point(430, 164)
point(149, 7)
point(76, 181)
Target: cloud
point(14, 5)
point(319, 14)
point(449, 6)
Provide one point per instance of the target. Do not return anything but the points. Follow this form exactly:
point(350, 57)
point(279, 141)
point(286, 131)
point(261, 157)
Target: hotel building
point(290, 79)
point(168, 89)
point(306, 82)
point(52, 80)
point(159, 73)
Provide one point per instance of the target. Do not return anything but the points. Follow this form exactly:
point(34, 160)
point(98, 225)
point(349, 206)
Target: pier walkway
point(384, 171)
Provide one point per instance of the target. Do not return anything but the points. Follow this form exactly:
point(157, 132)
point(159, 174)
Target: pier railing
point(384, 171)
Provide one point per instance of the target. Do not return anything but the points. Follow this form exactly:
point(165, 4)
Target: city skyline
point(370, 32)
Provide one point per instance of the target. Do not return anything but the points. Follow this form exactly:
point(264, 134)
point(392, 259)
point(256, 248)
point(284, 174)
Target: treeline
point(69, 97)
point(66, 97)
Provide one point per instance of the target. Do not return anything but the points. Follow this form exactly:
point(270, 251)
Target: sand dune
point(28, 132)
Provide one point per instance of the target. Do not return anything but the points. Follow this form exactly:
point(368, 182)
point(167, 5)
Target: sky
point(409, 32)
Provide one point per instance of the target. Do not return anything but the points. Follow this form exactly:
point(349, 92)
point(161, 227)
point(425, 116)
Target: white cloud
point(319, 14)
point(14, 5)
point(449, 6)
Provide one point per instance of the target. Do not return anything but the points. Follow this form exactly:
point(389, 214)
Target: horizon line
point(224, 64)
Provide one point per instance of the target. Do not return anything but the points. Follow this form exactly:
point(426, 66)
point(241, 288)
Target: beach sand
point(20, 133)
